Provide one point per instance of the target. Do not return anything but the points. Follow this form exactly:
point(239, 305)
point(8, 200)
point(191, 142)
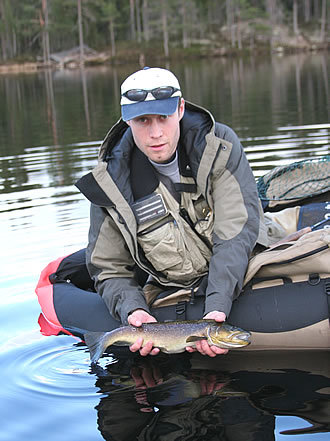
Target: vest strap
point(185, 188)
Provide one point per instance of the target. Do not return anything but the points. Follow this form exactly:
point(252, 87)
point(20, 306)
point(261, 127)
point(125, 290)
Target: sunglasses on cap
point(159, 93)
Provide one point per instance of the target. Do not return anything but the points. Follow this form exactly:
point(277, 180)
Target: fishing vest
point(177, 241)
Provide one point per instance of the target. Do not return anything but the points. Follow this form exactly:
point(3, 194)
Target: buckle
point(180, 308)
point(314, 279)
point(327, 287)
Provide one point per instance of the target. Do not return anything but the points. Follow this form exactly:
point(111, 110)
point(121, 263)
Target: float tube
point(286, 316)
point(289, 316)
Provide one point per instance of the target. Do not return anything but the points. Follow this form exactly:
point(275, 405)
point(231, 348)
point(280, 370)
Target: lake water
point(51, 125)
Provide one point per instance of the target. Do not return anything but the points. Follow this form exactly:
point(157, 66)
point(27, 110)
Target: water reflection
point(181, 398)
point(61, 107)
point(176, 397)
point(289, 144)
point(263, 101)
point(51, 125)
point(50, 102)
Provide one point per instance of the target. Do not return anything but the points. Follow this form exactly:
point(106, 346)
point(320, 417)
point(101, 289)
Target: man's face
point(157, 136)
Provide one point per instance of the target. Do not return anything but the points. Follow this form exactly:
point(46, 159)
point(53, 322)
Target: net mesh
point(296, 181)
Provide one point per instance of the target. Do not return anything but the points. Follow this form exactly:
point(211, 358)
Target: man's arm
point(107, 257)
point(236, 225)
point(111, 266)
point(236, 210)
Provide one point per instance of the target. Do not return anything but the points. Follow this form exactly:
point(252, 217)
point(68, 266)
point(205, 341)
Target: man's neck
point(169, 169)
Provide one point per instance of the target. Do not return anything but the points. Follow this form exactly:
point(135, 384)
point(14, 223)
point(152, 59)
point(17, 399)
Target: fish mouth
point(241, 339)
point(243, 336)
point(237, 342)
point(235, 338)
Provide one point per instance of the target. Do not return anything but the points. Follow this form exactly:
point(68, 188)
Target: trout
point(170, 337)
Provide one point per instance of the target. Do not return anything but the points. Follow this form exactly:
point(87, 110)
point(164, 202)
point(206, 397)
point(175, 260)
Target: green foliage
point(22, 22)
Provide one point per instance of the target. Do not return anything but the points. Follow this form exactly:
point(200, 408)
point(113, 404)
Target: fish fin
point(193, 338)
point(96, 344)
point(121, 343)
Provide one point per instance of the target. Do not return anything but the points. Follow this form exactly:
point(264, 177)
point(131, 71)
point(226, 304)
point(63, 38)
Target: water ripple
point(48, 367)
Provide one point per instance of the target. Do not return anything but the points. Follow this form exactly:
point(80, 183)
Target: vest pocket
point(162, 245)
point(165, 248)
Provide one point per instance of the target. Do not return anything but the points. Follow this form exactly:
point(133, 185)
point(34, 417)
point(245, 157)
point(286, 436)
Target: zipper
point(302, 256)
point(184, 214)
point(136, 258)
point(208, 176)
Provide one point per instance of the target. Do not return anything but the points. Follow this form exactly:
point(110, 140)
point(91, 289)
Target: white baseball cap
point(150, 91)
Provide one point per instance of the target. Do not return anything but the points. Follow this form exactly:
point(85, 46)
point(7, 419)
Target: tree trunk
point(316, 8)
point(14, 45)
point(271, 9)
point(323, 19)
point(3, 35)
point(145, 20)
point(307, 11)
point(165, 28)
point(230, 24)
point(45, 32)
point(184, 25)
point(112, 38)
point(81, 37)
point(239, 36)
point(132, 18)
point(295, 17)
point(138, 20)
point(7, 51)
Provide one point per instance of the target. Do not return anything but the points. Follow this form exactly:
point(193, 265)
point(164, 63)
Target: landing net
point(296, 181)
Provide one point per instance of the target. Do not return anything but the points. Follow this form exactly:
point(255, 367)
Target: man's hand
point(146, 375)
point(138, 317)
point(209, 381)
point(202, 346)
point(215, 315)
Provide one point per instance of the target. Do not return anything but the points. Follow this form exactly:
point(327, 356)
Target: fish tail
point(96, 344)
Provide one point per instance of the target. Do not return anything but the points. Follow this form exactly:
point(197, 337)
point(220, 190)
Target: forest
point(34, 29)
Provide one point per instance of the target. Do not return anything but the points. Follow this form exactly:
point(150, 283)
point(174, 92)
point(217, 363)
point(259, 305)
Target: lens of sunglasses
point(136, 94)
point(160, 93)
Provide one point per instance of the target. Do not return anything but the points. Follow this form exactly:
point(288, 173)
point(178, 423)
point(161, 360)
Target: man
point(173, 194)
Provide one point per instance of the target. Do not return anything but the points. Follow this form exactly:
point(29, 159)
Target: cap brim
point(152, 107)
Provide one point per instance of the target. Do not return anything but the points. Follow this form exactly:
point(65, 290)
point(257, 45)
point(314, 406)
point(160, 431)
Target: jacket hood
point(131, 171)
point(195, 124)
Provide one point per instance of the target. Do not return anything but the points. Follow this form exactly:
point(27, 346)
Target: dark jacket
point(214, 174)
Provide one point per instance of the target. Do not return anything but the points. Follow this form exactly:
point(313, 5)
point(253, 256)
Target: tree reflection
point(59, 109)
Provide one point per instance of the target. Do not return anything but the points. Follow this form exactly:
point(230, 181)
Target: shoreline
point(139, 55)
